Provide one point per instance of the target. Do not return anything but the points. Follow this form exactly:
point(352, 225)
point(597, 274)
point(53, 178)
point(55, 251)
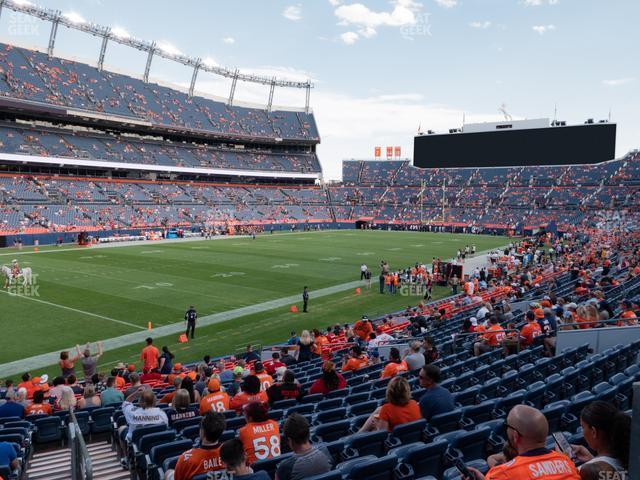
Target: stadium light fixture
point(169, 49)
point(119, 32)
point(74, 17)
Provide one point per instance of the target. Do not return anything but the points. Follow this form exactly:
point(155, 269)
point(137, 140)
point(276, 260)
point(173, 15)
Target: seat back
point(332, 431)
point(409, 432)
point(47, 430)
point(369, 443)
point(427, 459)
point(159, 453)
point(270, 465)
point(379, 469)
point(473, 444)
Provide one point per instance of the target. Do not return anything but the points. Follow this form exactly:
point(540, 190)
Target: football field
point(244, 288)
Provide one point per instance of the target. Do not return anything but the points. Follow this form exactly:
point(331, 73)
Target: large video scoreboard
point(517, 143)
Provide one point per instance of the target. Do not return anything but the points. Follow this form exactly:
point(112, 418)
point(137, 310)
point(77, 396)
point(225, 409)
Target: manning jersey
point(214, 402)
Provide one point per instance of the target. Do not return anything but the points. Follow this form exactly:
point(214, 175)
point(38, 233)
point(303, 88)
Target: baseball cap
point(238, 370)
point(213, 385)
point(177, 367)
point(258, 367)
point(131, 367)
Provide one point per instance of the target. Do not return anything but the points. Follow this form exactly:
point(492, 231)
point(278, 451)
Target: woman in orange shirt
point(399, 408)
point(395, 366)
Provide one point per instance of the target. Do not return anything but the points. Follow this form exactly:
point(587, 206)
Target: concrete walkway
point(36, 362)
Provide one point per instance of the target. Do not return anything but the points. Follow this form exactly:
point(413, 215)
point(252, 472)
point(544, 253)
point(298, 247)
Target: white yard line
point(64, 307)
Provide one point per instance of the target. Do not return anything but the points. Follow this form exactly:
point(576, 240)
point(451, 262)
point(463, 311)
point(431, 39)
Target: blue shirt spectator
point(436, 399)
point(8, 455)
point(11, 409)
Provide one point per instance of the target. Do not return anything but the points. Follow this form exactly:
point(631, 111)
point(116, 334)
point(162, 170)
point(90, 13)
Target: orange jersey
point(494, 336)
point(392, 369)
point(242, 398)
point(356, 363)
point(214, 402)
point(549, 465)
point(266, 381)
point(529, 332)
point(38, 409)
point(149, 357)
point(260, 440)
point(198, 461)
point(362, 329)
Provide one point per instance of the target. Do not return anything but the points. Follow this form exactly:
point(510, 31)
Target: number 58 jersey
point(261, 440)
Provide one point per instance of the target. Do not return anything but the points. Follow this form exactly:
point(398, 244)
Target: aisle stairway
point(56, 464)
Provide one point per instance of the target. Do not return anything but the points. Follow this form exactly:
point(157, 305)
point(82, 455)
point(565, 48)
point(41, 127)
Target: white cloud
point(229, 40)
point(349, 37)
point(335, 3)
point(447, 3)
point(366, 21)
point(293, 12)
point(618, 81)
point(482, 25)
point(542, 29)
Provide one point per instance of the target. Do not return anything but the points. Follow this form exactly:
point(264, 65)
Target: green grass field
point(89, 294)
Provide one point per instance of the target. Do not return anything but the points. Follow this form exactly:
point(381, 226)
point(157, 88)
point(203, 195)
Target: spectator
point(215, 400)
point(111, 396)
point(274, 364)
point(234, 388)
point(8, 456)
point(250, 355)
point(224, 375)
point(180, 407)
point(145, 413)
point(168, 397)
point(72, 382)
point(329, 381)
point(362, 328)
point(527, 430)
point(67, 400)
point(206, 457)
point(187, 384)
point(89, 398)
point(598, 471)
point(305, 344)
point(153, 376)
point(436, 399)
point(607, 432)
point(355, 361)
point(27, 384)
point(293, 339)
point(414, 358)
point(491, 339)
point(134, 378)
point(395, 366)
point(67, 365)
point(399, 408)
point(88, 361)
point(166, 361)
point(430, 351)
point(530, 331)
point(266, 380)
point(235, 459)
point(261, 435)
point(286, 358)
point(307, 460)
point(38, 407)
point(251, 392)
point(287, 389)
point(149, 356)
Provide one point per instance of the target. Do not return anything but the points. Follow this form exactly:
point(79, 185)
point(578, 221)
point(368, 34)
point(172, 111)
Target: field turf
point(88, 294)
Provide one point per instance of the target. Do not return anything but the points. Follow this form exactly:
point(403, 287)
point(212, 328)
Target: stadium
point(189, 293)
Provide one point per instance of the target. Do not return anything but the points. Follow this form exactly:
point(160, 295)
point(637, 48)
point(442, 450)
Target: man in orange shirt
point(149, 356)
point(250, 393)
point(206, 457)
point(355, 361)
point(362, 328)
point(629, 316)
point(215, 400)
point(493, 337)
point(531, 330)
point(260, 437)
point(266, 380)
point(527, 430)
point(27, 384)
point(38, 407)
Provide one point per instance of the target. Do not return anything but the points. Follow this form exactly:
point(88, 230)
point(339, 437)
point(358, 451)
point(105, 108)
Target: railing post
point(634, 453)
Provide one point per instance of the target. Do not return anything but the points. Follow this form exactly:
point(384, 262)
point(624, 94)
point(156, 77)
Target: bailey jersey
point(198, 461)
point(260, 440)
point(542, 464)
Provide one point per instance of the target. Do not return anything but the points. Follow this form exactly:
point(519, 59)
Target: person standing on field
point(305, 299)
point(190, 318)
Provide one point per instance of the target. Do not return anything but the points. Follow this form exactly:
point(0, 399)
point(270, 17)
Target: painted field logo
point(25, 289)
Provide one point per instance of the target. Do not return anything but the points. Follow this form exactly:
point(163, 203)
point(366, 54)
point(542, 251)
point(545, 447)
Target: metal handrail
point(81, 467)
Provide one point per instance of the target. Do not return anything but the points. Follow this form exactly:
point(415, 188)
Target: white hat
point(44, 379)
point(571, 305)
point(474, 321)
point(14, 261)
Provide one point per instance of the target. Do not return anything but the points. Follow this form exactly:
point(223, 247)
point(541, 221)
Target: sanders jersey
point(540, 464)
point(260, 440)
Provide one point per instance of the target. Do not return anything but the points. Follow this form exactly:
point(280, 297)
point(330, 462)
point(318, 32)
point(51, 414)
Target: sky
point(382, 69)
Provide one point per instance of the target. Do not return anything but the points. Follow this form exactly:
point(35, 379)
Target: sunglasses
point(507, 427)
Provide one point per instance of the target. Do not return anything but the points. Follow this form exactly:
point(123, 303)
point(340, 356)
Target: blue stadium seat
point(330, 416)
point(47, 430)
point(424, 459)
point(378, 469)
point(270, 464)
point(160, 453)
point(407, 433)
point(332, 431)
point(101, 420)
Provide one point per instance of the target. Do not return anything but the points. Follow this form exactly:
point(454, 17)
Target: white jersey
point(139, 417)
